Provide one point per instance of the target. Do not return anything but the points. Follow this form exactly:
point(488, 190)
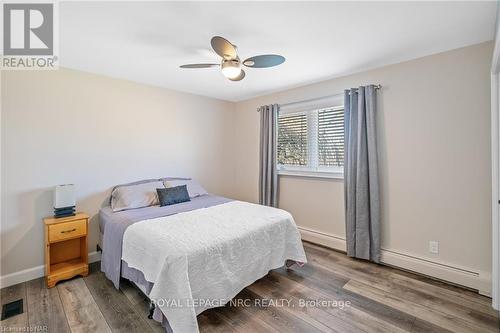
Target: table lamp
point(64, 200)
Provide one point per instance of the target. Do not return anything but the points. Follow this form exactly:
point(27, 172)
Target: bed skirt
point(137, 278)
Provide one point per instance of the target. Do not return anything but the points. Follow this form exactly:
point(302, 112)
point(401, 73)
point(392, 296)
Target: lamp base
point(64, 211)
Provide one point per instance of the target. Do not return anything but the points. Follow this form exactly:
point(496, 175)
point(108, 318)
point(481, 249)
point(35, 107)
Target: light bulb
point(231, 69)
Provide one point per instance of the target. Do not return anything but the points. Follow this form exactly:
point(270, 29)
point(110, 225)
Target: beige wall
point(67, 126)
point(434, 150)
point(434, 147)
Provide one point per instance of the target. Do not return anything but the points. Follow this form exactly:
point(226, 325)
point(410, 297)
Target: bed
point(195, 255)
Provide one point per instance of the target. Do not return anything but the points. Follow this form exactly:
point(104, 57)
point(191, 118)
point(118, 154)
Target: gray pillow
point(172, 195)
point(174, 178)
point(137, 195)
point(131, 183)
point(193, 187)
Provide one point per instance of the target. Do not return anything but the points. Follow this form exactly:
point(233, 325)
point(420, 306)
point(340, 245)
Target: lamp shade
point(64, 196)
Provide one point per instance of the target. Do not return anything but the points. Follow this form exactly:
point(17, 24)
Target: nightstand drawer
point(67, 230)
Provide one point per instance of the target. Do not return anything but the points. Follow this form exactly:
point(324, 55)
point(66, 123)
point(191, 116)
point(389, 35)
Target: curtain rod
point(377, 86)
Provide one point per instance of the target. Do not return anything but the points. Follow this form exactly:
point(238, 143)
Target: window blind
point(292, 139)
point(311, 140)
point(331, 137)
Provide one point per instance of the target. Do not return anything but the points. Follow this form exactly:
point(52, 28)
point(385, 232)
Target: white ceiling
point(147, 41)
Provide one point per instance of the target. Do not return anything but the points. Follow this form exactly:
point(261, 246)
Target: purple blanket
point(113, 226)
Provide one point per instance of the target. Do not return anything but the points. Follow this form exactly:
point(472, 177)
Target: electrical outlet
point(434, 247)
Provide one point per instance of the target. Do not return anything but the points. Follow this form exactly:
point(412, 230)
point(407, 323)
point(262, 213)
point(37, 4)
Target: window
point(292, 139)
point(331, 137)
point(311, 143)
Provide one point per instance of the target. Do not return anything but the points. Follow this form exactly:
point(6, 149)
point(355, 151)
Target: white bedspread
point(203, 258)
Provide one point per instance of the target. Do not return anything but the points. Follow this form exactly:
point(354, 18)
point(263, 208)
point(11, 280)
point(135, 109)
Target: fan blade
point(223, 47)
point(264, 61)
point(240, 77)
point(200, 66)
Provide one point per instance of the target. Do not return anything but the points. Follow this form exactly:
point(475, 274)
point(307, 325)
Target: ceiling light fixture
point(231, 64)
point(231, 68)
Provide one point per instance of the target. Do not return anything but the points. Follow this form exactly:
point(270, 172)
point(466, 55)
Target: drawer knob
point(65, 231)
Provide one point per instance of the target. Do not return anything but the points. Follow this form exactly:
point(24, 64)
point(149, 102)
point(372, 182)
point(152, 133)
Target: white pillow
point(193, 187)
point(135, 196)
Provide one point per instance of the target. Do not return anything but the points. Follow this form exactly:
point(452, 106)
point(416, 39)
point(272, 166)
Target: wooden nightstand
point(66, 252)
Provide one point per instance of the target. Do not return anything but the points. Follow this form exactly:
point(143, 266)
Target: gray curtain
point(268, 174)
point(361, 184)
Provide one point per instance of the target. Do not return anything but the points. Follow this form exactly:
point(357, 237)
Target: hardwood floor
point(375, 299)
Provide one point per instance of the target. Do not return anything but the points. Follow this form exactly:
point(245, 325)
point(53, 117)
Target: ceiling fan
point(231, 64)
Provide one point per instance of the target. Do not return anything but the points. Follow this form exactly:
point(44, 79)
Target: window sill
point(312, 174)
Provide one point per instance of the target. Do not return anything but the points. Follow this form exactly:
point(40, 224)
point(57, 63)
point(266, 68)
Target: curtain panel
point(361, 183)
point(268, 173)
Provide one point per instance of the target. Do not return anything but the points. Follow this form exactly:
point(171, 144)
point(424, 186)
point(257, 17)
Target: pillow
point(136, 195)
point(132, 183)
point(174, 178)
point(172, 195)
point(193, 187)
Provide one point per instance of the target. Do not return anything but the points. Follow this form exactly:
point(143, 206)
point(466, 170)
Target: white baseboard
point(94, 256)
point(464, 276)
point(321, 238)
point(459, 275)
point(34, 273)
point(471, 278)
